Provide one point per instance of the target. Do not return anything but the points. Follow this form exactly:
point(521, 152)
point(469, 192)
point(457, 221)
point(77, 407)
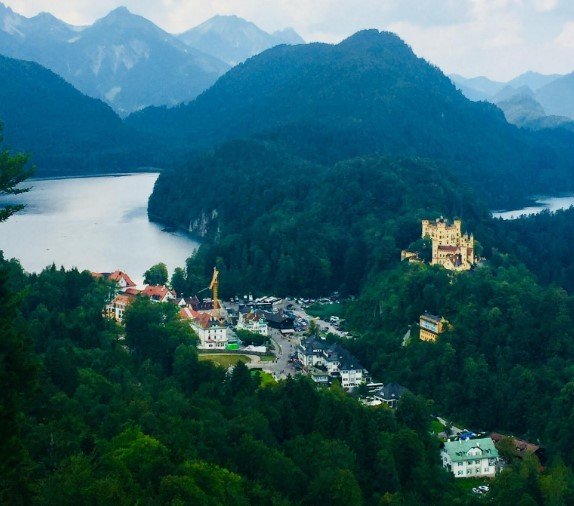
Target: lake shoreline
point(152, 170)
point(536, 205)
point(97, 223)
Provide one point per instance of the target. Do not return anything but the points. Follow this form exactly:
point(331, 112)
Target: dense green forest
point(544, 242)
point(288, 226)
point(504, 364)
point(94, 414)
point(368, 95)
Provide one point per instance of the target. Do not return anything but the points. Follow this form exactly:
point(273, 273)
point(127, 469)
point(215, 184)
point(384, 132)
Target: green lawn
point(470, 483)
point(325, 311)
point(266, 378)
point(436, 426)
point(224, 360)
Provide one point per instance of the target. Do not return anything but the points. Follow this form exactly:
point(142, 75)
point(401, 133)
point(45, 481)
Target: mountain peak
point(288, 36)
point(122, 10)
point(374, 39)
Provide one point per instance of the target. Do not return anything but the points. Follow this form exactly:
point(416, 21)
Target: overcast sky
point(496, 38)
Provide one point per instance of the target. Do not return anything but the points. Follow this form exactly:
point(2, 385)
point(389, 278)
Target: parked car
point(484, 488)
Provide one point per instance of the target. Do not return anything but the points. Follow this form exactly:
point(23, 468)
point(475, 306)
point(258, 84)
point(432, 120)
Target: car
point(483, 488)
point(476, 490)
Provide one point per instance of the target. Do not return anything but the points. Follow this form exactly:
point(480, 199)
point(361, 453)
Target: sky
point(496, 38)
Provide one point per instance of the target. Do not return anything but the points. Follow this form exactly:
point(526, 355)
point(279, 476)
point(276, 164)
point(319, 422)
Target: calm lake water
point(94, 223)
point(550, 203)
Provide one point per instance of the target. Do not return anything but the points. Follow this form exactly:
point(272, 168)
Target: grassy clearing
point(225, 360)
point(436, 427)
point(470, 483)
point(325, 311)
point(266, 378)
point(267, 358)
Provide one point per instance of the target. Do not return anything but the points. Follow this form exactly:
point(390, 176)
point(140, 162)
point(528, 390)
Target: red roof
point(448, 248)
point(156, 291)
point(132, 291)
point(123, 298)
point(119, 275)
point(203, 319)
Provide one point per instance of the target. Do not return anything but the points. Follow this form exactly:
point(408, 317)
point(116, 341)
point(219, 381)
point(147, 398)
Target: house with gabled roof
point(158, 293)
point(470, 458)
point(338, 362)
point(116, 308)
point(121, 278)
point(212, 332)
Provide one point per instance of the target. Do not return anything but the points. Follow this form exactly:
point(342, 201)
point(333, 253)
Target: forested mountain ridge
point(66, 131)
point(367, 95)
point(277, 223)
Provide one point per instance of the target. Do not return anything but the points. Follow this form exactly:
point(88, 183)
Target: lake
point(541, 204)
point(94, 223)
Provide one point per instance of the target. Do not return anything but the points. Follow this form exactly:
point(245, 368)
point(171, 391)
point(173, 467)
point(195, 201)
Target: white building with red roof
point(123, 281)
point(212, 332)
point(116, 308)
point(158, 293)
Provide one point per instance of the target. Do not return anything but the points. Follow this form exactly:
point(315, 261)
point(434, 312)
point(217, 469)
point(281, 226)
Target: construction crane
point(214, 287)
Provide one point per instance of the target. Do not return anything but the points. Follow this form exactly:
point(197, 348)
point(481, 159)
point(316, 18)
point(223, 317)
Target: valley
point(237, 268)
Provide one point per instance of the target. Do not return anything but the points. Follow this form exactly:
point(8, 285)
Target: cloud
point(566, 36)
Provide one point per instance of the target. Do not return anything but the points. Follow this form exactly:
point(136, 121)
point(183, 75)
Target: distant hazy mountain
point(554, 93)
point(534, 80)
point(483, 88)
point(122, 58)
point(233, 39)
point(65, 131)
point(477, 88)
point(509, 92)
point(558, 96)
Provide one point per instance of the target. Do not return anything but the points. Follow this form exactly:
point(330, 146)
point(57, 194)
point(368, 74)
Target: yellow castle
point(450, 247)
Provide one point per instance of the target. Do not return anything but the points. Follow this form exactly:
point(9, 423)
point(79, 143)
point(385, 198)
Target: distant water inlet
point(94, 223)
point(541, 204)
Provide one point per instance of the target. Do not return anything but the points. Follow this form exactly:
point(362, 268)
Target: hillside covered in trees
point(368, 95)
point(67, 132)
point(289, 226)
point(89, 418)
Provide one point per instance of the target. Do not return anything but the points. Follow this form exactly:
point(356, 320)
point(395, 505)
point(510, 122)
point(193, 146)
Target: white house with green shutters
point(470, 458)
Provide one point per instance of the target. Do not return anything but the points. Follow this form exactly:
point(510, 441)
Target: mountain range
point(127, 61)
point(531, 100)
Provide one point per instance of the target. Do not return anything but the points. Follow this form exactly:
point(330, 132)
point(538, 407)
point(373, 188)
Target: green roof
point(458, 450)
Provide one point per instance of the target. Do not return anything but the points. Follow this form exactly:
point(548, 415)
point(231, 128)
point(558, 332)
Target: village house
point(470, 458)
point(389, 394)
point(332, 358)
point(253, 321)
point(158, 293)
point(450, 247)
point(212, 332)
point(116, 308)
point(521, 447)
point(430, 326)
point(123, 281)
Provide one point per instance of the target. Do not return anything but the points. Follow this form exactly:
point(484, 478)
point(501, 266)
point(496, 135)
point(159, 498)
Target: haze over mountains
point(233, 40)
point(129, 62)
point(531, 100)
